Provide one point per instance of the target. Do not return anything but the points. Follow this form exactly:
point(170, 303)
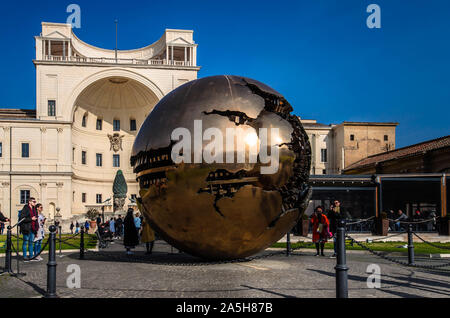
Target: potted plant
point(91, 214)
point(381, 225)
point(304, 225)
point(444, 225)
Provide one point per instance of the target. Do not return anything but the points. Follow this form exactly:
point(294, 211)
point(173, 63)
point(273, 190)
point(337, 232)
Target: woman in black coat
point(130, 237)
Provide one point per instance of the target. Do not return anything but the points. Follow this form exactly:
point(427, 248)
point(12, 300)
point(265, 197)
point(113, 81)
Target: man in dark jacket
point(28, 227)
point(334, 215)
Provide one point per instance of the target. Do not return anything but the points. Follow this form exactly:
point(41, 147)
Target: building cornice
point(164, 67)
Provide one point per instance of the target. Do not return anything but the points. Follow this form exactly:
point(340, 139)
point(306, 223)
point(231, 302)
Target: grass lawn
point(419, 248)
point(90, 241)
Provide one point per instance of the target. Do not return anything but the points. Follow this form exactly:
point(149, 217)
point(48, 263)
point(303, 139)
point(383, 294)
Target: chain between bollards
point(82, 242)
point(51, 265)
point(410, 245)
point(341, 263)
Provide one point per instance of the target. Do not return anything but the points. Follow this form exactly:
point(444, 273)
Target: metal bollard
point(410, 245)
point(341, 263)
point(82, 242)
point(288, 243)
point(51, 265)
point(8, 264)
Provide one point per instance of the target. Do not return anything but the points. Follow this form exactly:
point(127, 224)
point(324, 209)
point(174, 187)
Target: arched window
point(84, 120)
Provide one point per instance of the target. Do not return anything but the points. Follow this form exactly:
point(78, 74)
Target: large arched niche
point(113, 98)
point(96, 78)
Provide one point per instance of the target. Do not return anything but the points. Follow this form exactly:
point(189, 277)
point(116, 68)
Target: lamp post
point(103, 208)
point(56, 219)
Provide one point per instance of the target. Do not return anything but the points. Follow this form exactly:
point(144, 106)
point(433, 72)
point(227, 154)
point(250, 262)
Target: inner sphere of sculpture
point(223, 210)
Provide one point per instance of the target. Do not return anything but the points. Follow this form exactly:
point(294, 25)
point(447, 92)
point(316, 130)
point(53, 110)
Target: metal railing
point(107, 60)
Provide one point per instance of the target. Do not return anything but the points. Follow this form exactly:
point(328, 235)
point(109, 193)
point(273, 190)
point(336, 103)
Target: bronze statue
point(228, 208)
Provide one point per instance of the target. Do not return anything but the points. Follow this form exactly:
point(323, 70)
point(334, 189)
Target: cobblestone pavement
point(111, 273)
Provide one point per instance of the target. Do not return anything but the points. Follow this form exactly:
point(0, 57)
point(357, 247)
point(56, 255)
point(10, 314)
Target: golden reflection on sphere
point(223, 210)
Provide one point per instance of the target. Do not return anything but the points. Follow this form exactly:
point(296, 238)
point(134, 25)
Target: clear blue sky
point(319, 54)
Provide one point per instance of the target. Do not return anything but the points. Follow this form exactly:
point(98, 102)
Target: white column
point(70, 49)
point(172, 55)
point(185, 57)
point(49, 47)
point(167, 54)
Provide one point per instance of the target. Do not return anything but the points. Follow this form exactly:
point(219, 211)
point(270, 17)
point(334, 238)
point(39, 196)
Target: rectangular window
point(98, 159)
point(99, 124)
point(52, 108)
point(116, 160)
point(1, 149)
point(83, 157)
point(99, 198)
point(324, 171)
point(83, 197)
point(24, 196)
point(73, 154)
point(83, 121)
point(323, 155)
point(386, 138)
point(116, 125)
point(25, 150)
point(132, 124)
point(133, 197)
point(352, 137)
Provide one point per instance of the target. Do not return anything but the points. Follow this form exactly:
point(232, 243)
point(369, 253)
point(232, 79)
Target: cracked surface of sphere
point(221, 210)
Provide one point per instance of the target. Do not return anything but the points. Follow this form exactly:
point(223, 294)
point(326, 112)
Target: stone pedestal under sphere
point(221, 210)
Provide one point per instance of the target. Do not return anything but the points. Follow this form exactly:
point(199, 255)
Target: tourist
point(112, 227)
point(28, 227)
point(130, 236)
point(137, 222)
point(334, 216)
point(401, 217)
point(3, 219)
point(119, 226)
point(40, 233)
point(147, 236)
point(99, 221)
point(86, 226)
point(320, 225)
point(77, 227)
point(71, 227)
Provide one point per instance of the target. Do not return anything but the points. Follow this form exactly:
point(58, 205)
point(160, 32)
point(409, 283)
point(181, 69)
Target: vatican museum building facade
point(90, 104)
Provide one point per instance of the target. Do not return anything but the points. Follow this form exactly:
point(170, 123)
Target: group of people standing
point(324, 226)
point(32, 222)
point(134, 229)
point(137, 229)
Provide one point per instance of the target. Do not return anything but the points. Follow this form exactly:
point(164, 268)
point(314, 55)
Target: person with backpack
point(71, 227)
point(29, 227)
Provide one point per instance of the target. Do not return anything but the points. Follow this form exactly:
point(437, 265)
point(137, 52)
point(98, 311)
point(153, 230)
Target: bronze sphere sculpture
point(206, 186)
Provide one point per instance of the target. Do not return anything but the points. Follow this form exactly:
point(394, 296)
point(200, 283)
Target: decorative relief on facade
point(43, 184)
point(59, 184)
point(6, 129)
point(60, 129)
point(43, 129)
point(116, 142)
point(5, 184)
